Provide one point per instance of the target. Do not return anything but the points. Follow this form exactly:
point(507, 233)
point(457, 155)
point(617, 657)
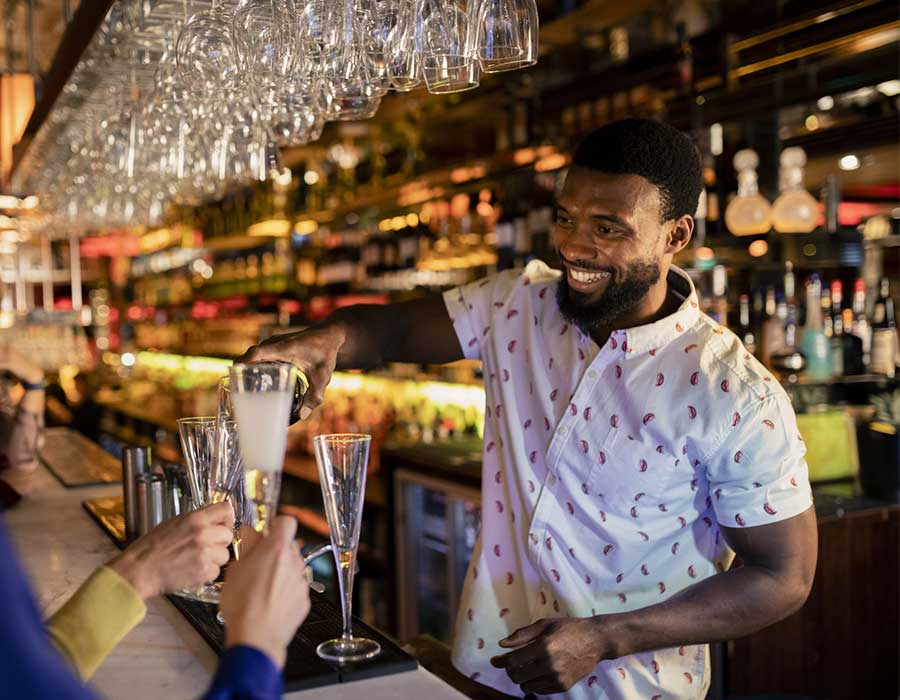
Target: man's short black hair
point(656, 151)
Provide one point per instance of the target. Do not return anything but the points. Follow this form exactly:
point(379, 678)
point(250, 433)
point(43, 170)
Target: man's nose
point(576, 246)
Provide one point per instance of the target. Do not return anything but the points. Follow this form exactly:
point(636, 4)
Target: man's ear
point(680, 234)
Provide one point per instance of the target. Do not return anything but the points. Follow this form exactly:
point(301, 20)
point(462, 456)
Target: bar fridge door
point(436, 526)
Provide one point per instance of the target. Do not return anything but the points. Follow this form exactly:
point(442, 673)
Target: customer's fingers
point(283, 529)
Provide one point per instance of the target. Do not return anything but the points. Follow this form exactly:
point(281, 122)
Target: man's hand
point(266, 596)
point(180, 553)
point(313, 351)
point(550, 656)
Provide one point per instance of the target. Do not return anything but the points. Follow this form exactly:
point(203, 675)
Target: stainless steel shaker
point(135, 461)
point(149, 494)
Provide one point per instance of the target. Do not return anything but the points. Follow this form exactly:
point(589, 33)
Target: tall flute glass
point(342, 460)
point(261, 397)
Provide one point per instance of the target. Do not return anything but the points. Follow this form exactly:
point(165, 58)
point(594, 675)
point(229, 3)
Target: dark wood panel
point(845, 642)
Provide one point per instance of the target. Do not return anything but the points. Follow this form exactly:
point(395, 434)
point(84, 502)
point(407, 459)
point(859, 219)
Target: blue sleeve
point(245, 674)
point(30, 667)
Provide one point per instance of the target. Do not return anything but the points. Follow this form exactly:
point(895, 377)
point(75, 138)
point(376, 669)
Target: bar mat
point(304, 669)
point(77, 461)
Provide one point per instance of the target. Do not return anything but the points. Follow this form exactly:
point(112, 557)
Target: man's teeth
point(587, 277)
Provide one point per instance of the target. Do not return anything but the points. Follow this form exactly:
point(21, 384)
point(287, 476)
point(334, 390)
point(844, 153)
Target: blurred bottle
point(860, 327)
point(884, 332)
point(773, 332)
point(831, 199)
point(749, 213)
point(719, 306)
point(795, 210)
point(793, 313)
point(815, 345)
point(684, 61)
point(745, 330)
point(837, 328)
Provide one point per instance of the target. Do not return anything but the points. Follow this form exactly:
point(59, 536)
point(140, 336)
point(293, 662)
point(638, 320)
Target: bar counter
point(163, 656)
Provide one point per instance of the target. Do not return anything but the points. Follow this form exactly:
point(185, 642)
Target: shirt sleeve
point(29, 665)
point(471, 308)
point(95, 619)
point(759, 475)
point(245, 673)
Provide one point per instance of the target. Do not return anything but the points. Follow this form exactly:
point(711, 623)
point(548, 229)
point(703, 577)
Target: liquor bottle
point(837, 329)
point(684, 61)
point(773, 333)
point(884, 332)
point(816, 347)
point(719, 307)
point(795, 210)
point(749, 213)
point(790, 297)
point(860, 327)
point(745, 331)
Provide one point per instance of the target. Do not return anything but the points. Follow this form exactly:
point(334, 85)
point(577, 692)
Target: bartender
point(632, 446)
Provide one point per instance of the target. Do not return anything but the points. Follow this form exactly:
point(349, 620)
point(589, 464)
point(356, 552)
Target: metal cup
point(149, 494)
point(135, 461)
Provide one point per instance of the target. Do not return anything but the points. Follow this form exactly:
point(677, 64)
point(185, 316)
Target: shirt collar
point(652, 336)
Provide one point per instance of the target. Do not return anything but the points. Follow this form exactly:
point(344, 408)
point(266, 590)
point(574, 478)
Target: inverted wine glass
point(342, 460)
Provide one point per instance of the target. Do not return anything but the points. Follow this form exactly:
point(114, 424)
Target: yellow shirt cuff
point(90, 624)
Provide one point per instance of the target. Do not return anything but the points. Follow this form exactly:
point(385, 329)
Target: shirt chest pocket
point(633, 475)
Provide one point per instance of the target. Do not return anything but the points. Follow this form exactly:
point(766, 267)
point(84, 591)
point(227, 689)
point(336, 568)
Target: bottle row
point(828, 336)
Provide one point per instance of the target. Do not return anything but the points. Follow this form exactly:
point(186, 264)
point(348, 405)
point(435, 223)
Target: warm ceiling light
point(704, 253)
point(277, 228)
point(306, 227)
point(758, 248)
point(889, 88)
point(825, 103)
point(310, 177)
point(551, 162)
point(524, 156)
point(812, 122)
point(848, 162)
point(412, 219)
point(282, 178)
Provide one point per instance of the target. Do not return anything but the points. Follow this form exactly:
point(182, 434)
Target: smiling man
point(631, 445)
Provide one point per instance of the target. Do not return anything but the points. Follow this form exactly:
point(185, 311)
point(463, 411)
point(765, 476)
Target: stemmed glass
point(342, 460)
point(214, 474)
point(261, 398)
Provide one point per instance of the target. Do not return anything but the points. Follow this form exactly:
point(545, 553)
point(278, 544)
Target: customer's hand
point(180, 553)
point(14, 362)
point(266, 596)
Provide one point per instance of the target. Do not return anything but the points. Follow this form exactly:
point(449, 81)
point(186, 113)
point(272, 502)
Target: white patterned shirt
point(608, 471)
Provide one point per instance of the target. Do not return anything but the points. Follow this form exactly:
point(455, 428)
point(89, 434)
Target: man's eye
point(563, 219)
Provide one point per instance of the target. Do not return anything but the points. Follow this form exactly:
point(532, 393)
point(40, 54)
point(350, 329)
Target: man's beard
point(618, 299)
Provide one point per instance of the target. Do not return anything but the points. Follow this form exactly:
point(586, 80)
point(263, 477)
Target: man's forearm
point(417, 331)
point(364, 331)
point(725, 606)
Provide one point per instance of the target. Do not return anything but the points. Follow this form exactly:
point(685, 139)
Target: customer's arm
point(180, 553)
point(23, 436)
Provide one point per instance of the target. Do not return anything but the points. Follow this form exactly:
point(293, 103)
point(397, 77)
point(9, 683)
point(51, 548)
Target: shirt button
point(534, 538)
point(562, 430)
point(552, 479)
point(592, 374)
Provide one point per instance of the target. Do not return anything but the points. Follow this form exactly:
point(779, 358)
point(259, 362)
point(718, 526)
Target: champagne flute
point(342, 460)
point(261, 398)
